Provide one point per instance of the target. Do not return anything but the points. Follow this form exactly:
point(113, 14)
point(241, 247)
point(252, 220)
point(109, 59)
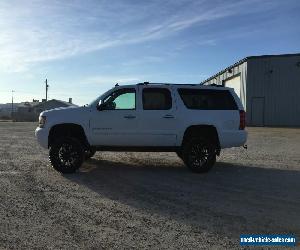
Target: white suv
point(194, 121)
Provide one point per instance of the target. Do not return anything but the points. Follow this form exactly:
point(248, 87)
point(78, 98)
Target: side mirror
point(106, 106)
point(100, 106)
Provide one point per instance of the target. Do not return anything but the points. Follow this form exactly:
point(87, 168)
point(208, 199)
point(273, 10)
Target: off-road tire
point(89, 153)
point(66, 155)
point(199, 154)
point(179, 153)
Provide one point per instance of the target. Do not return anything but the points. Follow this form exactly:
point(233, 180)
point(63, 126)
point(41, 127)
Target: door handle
point(129, 116)
point(168, 116)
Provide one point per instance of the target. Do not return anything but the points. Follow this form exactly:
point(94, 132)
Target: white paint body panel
point(149, 127)
point(158, 127)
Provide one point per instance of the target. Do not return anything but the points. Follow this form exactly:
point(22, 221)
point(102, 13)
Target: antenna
point(47, 86)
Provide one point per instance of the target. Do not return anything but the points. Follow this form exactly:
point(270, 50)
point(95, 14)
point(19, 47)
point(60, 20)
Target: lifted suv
point(194, 121)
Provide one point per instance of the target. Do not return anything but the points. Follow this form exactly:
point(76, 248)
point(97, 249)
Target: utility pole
point(47, 86)
point(12, 104)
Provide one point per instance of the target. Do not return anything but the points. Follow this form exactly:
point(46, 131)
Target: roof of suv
point(212, 86)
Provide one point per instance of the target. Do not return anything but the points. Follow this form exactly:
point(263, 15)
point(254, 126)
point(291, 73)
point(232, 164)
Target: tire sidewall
point(89, 153)
point(54, 152)
point(179, 153)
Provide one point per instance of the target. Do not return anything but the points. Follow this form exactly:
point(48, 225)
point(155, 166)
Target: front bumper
point(41, 135)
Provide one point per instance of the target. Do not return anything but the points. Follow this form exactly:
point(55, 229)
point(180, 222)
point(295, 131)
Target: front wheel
point(179, 154)
point(199, 154)
point(66, 155)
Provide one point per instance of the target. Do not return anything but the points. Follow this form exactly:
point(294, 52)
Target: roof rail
point(153, 83)
point(214, 85)
point(160, 83)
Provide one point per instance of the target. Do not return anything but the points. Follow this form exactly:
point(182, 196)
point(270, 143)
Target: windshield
point(96, 101)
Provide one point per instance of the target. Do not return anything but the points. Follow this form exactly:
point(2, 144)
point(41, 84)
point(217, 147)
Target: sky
point(84, 47)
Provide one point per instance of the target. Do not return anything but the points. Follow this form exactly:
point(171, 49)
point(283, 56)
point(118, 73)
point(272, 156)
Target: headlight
point(42, 121)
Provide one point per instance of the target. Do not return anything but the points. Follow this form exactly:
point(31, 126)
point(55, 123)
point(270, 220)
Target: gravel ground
point(147, 200)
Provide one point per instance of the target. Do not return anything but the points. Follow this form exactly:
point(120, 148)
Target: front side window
point(122, 99)
point(207, 99)
point(156, 99)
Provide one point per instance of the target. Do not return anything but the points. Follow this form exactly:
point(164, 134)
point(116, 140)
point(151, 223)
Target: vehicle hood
point(60, 110)
point(66, 114)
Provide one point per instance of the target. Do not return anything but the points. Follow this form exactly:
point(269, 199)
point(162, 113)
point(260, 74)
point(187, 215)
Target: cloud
point(35, 31)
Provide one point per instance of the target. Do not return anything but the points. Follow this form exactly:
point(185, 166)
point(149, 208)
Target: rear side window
point(156, 99)
point(207, 99)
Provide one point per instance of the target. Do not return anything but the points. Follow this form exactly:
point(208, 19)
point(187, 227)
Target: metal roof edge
point(279, 55)
point(244, 60)
point(224, 70)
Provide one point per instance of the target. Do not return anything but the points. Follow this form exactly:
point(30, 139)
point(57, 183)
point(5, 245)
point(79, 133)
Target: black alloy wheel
point(199, 155)
point(66, 155)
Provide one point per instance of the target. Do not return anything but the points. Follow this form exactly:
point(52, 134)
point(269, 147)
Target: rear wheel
point(199, 154)
point(89, 153)
point(66, 155)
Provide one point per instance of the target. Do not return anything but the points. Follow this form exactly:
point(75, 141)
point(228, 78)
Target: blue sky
point(85, 46)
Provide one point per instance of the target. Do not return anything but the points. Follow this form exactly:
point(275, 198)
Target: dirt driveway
point(147, 200)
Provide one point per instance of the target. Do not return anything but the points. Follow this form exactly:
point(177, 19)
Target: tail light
point(242, 119)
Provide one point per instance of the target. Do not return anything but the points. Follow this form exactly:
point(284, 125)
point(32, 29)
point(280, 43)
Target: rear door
point(157, 117)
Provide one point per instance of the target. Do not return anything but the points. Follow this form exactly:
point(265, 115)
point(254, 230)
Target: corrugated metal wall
point(277, 81)
point(271, 83)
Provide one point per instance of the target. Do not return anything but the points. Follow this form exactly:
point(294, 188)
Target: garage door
point(234, 83)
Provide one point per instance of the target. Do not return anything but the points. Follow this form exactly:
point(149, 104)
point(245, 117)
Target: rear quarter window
point(207, 99)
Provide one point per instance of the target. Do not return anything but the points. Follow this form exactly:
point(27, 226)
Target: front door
point(115, 122)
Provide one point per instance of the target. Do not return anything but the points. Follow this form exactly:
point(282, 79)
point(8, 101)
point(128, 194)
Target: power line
point(20, 91)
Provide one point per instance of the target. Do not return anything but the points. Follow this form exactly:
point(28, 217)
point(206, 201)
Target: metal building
point(269, 88)
point(30, 111)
